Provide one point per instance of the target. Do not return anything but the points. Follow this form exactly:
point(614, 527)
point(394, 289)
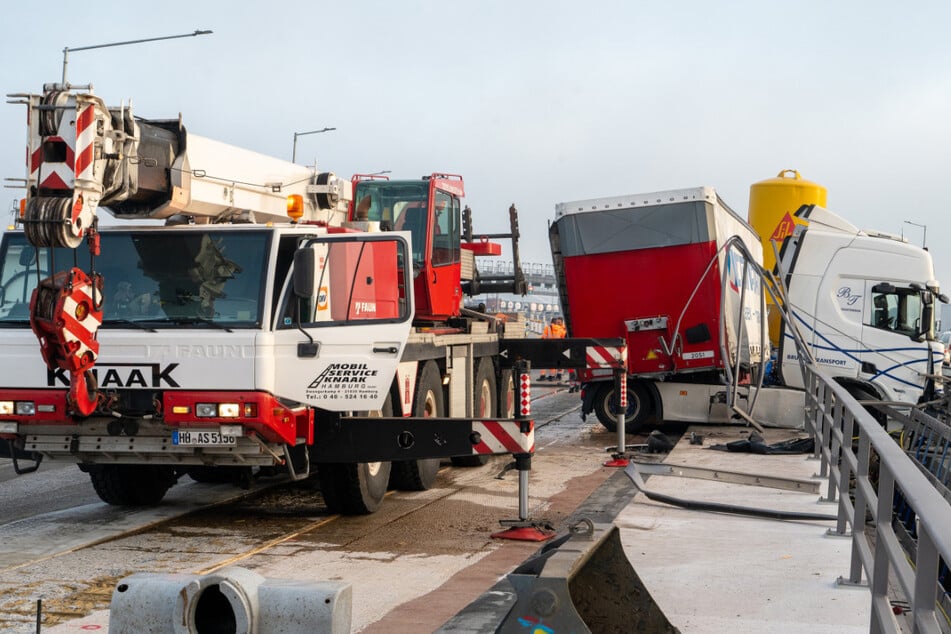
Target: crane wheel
point(484, 405)
point(420, 475)
point(356, 488)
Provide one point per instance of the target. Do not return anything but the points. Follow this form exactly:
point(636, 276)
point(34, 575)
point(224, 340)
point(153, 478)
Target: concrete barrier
point(233, 600)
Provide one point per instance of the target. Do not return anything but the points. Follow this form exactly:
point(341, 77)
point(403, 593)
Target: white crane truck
point(668, 271)
point(260, 320)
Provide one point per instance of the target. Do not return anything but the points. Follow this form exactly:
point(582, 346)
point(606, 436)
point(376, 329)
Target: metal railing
point(869, 473)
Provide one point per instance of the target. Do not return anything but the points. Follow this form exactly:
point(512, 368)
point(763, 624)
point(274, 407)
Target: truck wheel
point(420, 475)
point(131, 485)
point(860, 393)
point(484, 399)
point(606, 407)
point(356, 488)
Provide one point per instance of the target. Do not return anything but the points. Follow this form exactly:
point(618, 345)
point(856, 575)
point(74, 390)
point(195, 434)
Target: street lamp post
point(297, 134)
point(924, 234)
point(66, 49)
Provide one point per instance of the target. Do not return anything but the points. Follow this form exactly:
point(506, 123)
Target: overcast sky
point(537, 102)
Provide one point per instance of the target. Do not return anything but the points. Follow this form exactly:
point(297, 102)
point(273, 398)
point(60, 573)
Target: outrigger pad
point(524, 534)
point(583, 583)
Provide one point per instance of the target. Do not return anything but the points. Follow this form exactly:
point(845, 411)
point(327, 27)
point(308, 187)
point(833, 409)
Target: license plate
point(202, 439)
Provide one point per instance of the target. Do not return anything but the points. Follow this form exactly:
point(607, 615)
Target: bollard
point(619, 459)
point(232, 599)
point(524, 528)
point(620, 388)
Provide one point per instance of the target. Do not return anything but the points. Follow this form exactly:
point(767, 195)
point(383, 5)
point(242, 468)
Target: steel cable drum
point(49, 223)
point(773, 203)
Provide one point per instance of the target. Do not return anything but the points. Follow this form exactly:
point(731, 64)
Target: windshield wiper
point(128, 322)
point(191, 321)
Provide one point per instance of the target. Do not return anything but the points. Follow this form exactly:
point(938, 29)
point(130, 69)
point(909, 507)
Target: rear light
point(206, 410)
point(219, 410)
point(18, 408)
point(229, 410)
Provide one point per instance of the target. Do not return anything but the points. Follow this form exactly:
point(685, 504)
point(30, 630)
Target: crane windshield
point(397, 206)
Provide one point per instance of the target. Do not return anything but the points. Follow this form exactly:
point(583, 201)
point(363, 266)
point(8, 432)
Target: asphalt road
point(59, 543)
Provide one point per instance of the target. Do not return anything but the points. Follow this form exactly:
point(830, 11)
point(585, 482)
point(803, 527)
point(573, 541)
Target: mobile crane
point(268, 316)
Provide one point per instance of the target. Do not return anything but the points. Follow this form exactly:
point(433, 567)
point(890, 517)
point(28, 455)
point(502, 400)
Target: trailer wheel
point(606, 407)
point(131, 485)
point(420, 475)
point(356, 488)
point(484, 399)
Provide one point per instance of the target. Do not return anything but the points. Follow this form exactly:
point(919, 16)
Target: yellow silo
point(772, 204)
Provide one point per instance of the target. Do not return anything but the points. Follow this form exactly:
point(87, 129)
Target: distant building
point(538, 306)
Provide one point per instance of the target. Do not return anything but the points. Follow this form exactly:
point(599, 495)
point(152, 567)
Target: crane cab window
point(446, 236)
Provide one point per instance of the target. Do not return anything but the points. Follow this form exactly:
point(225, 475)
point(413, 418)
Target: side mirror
point(304, 282)
point(27, 256)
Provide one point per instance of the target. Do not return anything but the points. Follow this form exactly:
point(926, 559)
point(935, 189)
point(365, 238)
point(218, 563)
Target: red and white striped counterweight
point(65, 314)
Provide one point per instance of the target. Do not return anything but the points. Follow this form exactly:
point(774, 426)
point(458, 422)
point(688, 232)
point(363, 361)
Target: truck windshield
point(165, 278)
point(626, 229)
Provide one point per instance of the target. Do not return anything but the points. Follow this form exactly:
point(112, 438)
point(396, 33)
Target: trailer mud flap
point(582, 582)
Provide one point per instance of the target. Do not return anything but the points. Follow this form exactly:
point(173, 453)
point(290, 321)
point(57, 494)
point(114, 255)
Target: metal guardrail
point(868, 471)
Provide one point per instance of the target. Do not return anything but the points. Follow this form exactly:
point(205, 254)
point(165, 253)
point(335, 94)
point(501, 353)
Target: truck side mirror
point(304, 283)
point(924, 323)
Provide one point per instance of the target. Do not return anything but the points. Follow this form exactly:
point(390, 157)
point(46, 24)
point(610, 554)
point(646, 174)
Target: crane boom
point(83, 155)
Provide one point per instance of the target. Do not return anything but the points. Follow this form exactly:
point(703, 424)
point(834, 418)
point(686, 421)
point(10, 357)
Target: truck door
point(338, 346)
point(438, 286)
point(894, 358)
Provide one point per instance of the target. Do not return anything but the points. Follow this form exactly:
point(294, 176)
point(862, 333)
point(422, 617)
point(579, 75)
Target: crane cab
point(430, 209)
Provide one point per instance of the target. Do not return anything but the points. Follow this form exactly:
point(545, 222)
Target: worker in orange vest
point(556, 330)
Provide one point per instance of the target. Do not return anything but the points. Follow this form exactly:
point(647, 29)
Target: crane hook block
point(65, 315)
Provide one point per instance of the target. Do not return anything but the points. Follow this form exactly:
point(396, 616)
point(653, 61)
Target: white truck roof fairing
point(636, 200)
point(822, 217)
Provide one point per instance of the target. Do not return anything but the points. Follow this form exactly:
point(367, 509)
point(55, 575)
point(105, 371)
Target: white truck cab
point(864, 303)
